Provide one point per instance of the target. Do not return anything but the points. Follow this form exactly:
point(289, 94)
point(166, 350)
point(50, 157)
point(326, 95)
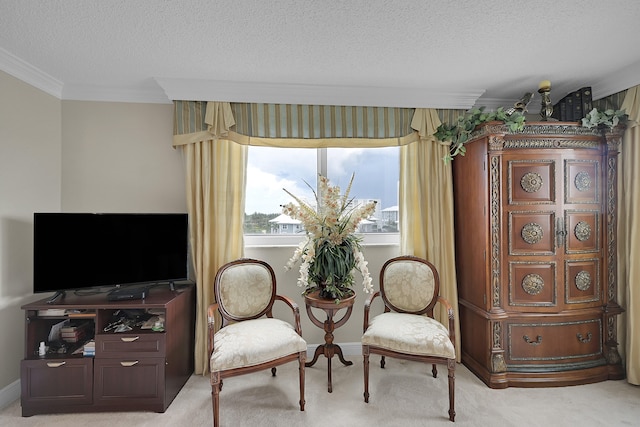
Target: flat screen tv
point(87, 251)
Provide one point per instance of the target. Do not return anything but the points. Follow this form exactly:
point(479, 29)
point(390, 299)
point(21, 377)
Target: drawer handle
point(129, 339)
point(55, 364)
point(584, 340)
point(536, 342)
point(128, 364)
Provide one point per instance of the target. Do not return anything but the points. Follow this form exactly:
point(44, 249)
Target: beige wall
point(117, 157)
point(30, 176)
point(72, 156)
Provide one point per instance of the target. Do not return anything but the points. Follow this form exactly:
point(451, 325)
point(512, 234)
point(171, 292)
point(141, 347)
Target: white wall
point(30, 176)
point(351, 332)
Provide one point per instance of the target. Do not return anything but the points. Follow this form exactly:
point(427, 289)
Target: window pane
point(269, 170)
point(377, 171)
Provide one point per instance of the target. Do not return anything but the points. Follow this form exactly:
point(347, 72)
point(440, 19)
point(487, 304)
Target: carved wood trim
point(495, 230)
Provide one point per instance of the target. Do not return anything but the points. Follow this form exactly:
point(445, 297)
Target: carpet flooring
point(403, 394)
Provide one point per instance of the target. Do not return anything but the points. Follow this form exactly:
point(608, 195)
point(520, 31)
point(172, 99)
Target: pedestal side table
point(330, 307)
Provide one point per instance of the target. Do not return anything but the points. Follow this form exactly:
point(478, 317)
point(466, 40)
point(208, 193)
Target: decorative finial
point(544, 88)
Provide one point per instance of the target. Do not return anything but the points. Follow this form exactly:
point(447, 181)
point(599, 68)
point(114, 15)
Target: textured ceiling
point(436, 53)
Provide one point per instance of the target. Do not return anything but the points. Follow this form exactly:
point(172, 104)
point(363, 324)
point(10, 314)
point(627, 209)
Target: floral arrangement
point(331, 251)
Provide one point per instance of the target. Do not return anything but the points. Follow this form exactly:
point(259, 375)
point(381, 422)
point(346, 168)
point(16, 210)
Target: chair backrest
point(245, 289)
point(409, 284)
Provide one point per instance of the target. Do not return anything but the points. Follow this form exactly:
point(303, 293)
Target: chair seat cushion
point(410, 334)
point(253, 342)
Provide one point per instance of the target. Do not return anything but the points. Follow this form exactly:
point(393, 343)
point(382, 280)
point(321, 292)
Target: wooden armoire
point(535, 226)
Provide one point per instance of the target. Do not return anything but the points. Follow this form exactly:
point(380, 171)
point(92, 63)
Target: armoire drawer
point(130, 345)
point(554, 341)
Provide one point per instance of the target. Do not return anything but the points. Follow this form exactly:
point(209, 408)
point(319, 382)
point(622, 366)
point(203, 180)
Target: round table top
point(313, 299)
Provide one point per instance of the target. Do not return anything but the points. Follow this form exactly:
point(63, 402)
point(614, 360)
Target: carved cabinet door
point(552, 225)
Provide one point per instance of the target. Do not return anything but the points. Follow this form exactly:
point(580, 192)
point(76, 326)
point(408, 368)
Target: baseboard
point(9, 394)
point(348, 349)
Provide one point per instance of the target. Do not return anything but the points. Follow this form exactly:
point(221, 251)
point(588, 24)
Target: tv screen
point(88, 250)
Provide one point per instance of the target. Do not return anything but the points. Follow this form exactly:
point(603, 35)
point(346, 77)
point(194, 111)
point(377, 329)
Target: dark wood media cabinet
point(137, 370)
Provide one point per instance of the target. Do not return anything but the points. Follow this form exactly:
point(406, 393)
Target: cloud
point(271, 169)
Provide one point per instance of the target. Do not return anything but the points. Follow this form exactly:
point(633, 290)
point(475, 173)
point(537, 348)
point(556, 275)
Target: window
point(270, 170)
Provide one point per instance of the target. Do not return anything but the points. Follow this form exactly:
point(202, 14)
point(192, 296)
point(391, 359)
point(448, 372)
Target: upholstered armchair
point(250, 339)
point(409, 287)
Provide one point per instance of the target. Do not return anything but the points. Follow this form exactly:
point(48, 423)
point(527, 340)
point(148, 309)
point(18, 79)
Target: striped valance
point(613, 101)
point(321, 121)
point(287, 125)
point(189, 117)
point(450, 117)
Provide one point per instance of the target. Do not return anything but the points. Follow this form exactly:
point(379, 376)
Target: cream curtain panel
point(629, 235)
point(215, 182)
point(426, 214)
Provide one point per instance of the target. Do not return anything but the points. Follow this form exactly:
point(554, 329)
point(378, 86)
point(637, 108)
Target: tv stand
point(137, 370)
point(56, 296)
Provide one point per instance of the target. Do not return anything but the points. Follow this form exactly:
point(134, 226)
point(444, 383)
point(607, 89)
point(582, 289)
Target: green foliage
point(333, 265)
point(258, 223)
point(458, 134)
point(608, 118)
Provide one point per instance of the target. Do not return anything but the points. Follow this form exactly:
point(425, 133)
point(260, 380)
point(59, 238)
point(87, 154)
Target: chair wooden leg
point(301, 361)
point(434, 371)
point(273, 371)
point(452, 382)
point(382, 362)
point(365, 361)
point(215, 398)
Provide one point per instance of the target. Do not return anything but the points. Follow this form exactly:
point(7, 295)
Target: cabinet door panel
point(532, 284)
point(582, 231)
point(531, 181)
point(582, 282)
point(532, 233)
point(582, 183)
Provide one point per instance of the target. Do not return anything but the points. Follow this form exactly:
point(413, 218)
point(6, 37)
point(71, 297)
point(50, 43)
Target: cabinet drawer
point(130, 381)
point(130, 345)
point(555, 342)
point(51, 382)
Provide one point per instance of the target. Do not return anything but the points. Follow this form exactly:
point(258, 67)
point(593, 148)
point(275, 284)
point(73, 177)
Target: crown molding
point(37, 78)
point(11, 64)
point(276, 93)
point(114, 94)
point(492, 104)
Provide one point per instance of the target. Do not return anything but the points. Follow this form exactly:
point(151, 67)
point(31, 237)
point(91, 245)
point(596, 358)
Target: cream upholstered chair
point(250, 339)
point(409, 288)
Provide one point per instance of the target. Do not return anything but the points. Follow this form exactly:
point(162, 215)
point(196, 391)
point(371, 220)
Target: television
point(87, 252)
